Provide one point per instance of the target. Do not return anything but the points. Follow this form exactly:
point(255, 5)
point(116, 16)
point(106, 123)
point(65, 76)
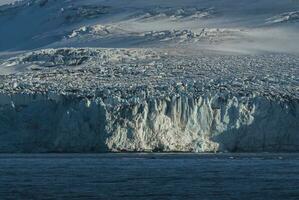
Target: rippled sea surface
point(149, 176)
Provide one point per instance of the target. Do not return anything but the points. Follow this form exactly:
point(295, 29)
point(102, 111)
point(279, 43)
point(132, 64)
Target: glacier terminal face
point(154, 103)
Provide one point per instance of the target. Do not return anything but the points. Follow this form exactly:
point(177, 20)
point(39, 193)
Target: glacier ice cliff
point(145, 100)
point(209, 123)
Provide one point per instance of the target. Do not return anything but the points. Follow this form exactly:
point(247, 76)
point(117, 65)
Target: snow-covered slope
point(137, 75)
point(240, 26)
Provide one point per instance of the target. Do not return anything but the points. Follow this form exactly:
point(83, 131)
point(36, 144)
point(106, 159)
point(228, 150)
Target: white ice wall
point(49, 123)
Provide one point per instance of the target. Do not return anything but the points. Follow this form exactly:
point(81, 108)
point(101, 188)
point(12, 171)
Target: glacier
point(149, 76)
point(142, 104)
point(209, 123)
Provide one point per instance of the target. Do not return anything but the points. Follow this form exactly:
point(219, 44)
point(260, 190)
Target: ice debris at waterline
point(172, 103)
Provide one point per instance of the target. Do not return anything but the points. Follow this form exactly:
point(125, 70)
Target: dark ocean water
point(149, 176)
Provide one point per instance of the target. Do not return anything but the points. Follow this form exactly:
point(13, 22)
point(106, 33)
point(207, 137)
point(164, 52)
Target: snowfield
point(100, 76)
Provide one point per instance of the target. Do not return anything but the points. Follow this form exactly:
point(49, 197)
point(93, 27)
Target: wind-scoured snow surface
point(134, 75)
point(226, 25)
